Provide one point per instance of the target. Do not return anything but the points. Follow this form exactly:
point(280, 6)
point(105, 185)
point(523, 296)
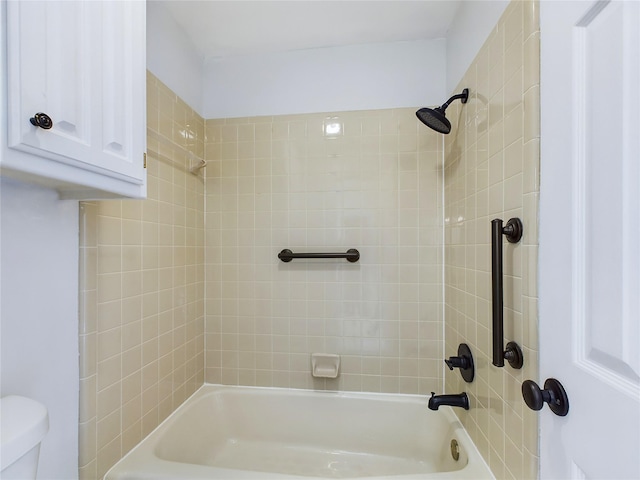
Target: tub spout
point(459, 400)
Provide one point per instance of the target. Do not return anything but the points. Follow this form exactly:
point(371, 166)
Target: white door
point(590, 237)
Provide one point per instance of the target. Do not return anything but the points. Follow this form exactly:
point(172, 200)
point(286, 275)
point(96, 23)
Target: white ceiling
point(226, 28)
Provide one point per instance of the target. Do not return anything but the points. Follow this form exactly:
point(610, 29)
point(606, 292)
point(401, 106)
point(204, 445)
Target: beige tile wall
point(142, 292)
point(492, 171)
point(283, 182)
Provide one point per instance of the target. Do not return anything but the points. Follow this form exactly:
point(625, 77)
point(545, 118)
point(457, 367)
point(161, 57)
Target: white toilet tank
point(23, 425)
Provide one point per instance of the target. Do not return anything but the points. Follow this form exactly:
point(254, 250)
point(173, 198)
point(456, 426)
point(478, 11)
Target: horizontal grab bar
point(352, 255)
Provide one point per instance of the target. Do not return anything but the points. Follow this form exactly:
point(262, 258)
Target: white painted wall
point(373, 76)
point(387, 75)
point(172, 57)
point(470, 28)
point(399, 74)
point(39, 314)
point(39, 304)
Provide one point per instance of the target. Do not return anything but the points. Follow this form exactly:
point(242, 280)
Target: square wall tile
point(324, 182)
point(134, 256)
point(504, 141)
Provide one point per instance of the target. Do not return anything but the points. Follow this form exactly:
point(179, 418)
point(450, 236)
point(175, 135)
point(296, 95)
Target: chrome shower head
point(435, 117)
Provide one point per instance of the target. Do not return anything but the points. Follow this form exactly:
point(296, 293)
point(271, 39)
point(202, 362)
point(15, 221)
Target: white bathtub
point(264, 433)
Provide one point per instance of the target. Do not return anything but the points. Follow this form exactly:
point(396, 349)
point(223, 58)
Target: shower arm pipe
point(512, 353)
point(464, 96)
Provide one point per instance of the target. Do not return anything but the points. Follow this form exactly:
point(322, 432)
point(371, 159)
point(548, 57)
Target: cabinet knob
point(553, 394)
point(41, 120)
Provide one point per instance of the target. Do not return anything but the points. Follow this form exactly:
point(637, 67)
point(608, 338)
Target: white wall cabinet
point(82, 63)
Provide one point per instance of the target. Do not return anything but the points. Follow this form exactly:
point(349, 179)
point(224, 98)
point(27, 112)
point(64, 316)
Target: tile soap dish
point(325, 365)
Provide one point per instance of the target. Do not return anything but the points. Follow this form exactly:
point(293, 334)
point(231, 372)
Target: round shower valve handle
point(553, 394)
point(464, 361)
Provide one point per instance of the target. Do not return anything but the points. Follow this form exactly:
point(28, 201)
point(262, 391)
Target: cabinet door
point(120, 131)
point(83, 64)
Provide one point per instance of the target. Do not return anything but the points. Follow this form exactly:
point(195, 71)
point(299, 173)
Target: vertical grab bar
point(513, 232)
point(497, 292)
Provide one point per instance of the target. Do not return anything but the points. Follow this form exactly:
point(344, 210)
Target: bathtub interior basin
point(245, 432)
